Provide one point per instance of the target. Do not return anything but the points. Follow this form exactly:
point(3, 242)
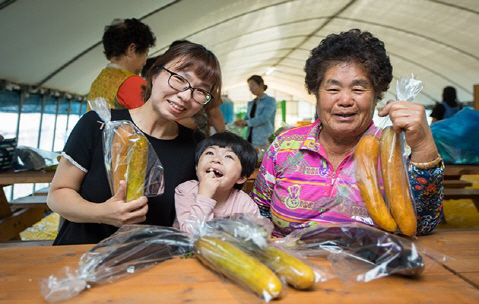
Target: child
point(224, 161)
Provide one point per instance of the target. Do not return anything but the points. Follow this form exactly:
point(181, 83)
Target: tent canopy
point(57, 43)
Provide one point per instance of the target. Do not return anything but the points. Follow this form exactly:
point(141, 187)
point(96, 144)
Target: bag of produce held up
point(129, 156)
point(395, 211)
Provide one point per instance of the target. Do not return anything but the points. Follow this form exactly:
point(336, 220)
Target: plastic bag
point(131, 248)
point(241, 226)
point(360, 253)
point(29, 158)
point(129, 156)
point(235, 129)
point(226, 258)
point(284, 126)
point(238, 248)
point(456, 138)
point(396, 211)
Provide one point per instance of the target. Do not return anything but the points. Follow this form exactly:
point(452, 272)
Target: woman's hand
point(410, 117)
point(208, 185)
point(117, 212)
point(241, 123)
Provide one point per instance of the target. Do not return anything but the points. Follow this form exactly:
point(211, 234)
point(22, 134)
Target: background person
point(126, 44)
point(448, 107)
point(305, 170)
point(260, 113)
point(182, 81)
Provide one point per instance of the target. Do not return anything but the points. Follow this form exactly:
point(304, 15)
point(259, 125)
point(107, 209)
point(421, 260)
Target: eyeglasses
point(180, 84)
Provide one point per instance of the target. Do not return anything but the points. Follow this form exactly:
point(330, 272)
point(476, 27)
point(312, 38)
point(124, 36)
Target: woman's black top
point(251, 115)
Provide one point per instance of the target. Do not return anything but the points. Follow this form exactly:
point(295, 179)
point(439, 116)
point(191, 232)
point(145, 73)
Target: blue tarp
point(457, 138)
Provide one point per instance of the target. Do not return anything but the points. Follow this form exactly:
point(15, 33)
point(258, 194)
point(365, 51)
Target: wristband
point(428, 165)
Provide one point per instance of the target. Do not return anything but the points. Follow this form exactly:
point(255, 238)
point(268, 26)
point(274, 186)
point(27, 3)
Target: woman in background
point(260, 113)
point(126, 44)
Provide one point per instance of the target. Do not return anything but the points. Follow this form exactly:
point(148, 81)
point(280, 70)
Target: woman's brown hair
point(259, 80)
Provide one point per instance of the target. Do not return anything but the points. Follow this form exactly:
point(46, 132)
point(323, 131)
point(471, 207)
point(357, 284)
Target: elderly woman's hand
point(410, 117)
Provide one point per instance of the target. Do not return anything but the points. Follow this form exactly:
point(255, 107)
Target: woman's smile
point(345, 117)
point(176, 106)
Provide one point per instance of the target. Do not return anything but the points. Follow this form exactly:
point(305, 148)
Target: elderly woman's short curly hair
point(121, 33)
point(351, 46)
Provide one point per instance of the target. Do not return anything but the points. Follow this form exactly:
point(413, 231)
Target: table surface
point(187, 281)
point(26, 177)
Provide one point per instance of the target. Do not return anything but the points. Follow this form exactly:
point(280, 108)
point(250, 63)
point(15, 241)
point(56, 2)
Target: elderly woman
point(182, 80)
point(126, 44)
point(303, 177)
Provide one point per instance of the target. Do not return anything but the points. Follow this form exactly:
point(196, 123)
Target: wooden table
point(13, 222)
point(453, 173)
point(187, 281)
point(463, 247)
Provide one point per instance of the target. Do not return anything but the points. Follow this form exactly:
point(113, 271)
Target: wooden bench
point(450, 183)
point(15, 218)
point(456, 171)
point(31, 201)
point(452, 193)
point(42, 191)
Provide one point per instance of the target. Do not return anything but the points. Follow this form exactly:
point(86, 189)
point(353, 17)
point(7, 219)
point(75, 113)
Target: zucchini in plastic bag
point(136, 171)
point(239, 266)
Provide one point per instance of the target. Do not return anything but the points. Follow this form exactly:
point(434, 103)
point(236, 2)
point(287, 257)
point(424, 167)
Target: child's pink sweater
point(190, 205)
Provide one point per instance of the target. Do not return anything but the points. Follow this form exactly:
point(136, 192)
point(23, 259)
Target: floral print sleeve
point(428, 193)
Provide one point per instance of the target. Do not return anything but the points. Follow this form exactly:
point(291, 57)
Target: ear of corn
point(119, 154)
point(136, 171)
point(396, 183)
point(239, 266)
point(293, 270)
point(366, 164)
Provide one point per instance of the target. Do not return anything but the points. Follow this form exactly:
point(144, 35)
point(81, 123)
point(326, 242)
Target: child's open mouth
point(216, 172)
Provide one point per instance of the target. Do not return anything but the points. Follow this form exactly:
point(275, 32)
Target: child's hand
point(208, 185)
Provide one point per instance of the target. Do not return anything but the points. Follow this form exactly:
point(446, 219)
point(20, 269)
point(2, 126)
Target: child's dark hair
point(241, 147)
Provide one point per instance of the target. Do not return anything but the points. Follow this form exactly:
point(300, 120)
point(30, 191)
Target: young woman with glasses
point(184, 79)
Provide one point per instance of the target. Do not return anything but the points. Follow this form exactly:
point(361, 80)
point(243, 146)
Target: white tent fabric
point(57, 43)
